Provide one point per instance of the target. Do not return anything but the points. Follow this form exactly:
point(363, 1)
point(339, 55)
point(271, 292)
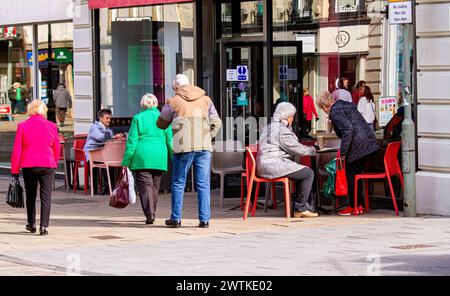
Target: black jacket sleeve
point(340, 121)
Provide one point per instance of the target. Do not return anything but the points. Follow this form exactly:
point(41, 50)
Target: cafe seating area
point(230, 159)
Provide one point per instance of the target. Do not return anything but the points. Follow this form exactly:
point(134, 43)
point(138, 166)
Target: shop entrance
point(243, 104)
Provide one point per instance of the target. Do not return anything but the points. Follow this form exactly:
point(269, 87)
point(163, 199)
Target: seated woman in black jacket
point(358, 142)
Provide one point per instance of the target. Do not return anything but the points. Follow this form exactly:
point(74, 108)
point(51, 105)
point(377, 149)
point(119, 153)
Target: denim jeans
point(182, 162)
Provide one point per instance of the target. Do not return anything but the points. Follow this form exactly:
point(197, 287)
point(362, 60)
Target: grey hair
point(180, 80)
point(324, 100)
point(149, 101)
point(283, 111)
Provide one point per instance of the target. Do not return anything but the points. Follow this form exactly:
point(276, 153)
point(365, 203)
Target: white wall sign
point(400, 12)
point(283, 72)
point(292, 74)
point(232, 75)
point(242, 73)
point(28, 11)
point(308, 42)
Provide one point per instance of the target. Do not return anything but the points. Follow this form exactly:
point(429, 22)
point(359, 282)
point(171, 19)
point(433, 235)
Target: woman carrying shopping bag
point(36, 152)
point(358, 142)
point(146, 154)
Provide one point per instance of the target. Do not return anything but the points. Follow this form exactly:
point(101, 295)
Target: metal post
point(409, 148)
point(51, 113)
point(35, 68)
point(409, 164)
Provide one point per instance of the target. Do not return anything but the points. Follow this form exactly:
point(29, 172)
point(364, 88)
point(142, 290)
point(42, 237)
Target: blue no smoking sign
point(283, 72)
point(242, 72)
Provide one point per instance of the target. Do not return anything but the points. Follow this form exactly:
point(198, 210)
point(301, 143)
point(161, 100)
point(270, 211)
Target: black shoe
point(150, 220)
point(173, 223)
point(203, 225)
point(31, 228)
point(43, 230)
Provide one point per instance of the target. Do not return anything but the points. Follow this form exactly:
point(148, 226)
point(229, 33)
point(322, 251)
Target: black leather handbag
point(14, 198)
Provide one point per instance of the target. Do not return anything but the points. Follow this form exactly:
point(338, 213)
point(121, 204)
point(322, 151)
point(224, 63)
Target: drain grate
point(412, 247)
point(106, 237)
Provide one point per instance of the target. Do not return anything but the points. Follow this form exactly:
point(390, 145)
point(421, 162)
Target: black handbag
point(14, 198)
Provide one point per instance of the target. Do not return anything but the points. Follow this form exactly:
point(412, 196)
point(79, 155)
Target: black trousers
point(13, 106)
point(352, 169)
point(44, 177)
point(304, 179)
point(306, 128)
point(147, 182)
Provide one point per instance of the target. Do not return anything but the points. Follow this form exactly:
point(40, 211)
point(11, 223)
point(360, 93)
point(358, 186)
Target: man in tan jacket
point(195, 122)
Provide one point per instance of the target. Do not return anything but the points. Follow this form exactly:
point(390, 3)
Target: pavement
point(87, 237)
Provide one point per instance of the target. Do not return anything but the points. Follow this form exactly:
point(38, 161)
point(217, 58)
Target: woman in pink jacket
point(308, 110)
point(36, 151)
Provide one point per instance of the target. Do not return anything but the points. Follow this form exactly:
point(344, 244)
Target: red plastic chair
point(243, 176)
point(80, 157)
point(392, 168)
point(250, 167)
point(62, 140)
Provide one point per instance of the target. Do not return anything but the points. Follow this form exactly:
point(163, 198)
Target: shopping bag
point(340, 188)
point(328, 190)
point(120, 196)
point(14, 197)
point(132, 192)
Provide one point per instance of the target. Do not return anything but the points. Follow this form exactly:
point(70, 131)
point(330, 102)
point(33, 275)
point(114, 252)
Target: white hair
point(324, 100)
point(283, 111)
point(149, 101)
point(180, 80)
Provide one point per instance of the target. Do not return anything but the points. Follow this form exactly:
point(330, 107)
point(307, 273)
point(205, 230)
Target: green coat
point(148, 147)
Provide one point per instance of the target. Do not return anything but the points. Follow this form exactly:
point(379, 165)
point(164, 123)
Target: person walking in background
point(358, 92)
point(342, 92)
point(63, 100)
point(36, 151)
point(358, 142)
point(146, 154)
point(18, 96)
point(366, 106)
point(278, 147)
point(195, 122)
point(308, 110)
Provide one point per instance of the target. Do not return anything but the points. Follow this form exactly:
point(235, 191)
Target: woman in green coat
point(146, 154)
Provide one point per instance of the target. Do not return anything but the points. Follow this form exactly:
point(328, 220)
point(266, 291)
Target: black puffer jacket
point(357, 138)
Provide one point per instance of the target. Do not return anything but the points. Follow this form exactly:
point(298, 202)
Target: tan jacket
point(195, 121)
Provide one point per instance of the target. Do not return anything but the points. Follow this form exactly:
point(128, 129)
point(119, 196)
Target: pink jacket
point(308, 108)
point(36, 145)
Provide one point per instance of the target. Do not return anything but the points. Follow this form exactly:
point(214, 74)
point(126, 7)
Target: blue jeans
point(182, 162)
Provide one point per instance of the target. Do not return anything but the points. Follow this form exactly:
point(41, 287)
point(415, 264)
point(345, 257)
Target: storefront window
point(241, 18)
point(346, 6)
point(15, 72)
point(141, 51)
point(18, 86)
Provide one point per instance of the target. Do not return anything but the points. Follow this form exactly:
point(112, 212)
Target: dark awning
point(127, 3)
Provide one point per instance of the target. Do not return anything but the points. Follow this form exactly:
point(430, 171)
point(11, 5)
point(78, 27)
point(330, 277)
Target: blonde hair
point(149, 101)
point(37, 107)
point(324, 100)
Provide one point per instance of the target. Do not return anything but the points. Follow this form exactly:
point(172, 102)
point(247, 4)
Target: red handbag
point(119, 198)
point(340, 187)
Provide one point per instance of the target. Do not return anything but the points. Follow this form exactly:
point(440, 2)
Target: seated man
point(98, 134)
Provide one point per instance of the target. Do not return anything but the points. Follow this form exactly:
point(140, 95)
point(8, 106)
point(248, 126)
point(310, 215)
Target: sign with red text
point(5, 109)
